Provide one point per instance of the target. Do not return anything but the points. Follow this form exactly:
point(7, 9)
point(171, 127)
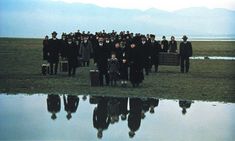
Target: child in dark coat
point(113, 69)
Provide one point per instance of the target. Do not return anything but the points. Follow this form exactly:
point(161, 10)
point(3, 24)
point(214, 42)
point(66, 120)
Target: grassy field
point(210, 80)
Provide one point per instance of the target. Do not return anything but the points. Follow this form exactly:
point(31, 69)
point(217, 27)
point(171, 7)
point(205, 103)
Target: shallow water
point(212, 58)
point(24, 117)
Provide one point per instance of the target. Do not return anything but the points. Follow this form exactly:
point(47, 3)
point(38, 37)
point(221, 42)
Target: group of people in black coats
point(109, 110)
point(122, 56)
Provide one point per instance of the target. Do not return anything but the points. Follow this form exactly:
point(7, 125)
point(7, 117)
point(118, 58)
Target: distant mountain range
point(38, 18)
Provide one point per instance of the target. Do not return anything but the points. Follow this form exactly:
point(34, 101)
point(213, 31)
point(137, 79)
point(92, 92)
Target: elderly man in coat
point(86, 50)
point(185, 52)
point(53, 52)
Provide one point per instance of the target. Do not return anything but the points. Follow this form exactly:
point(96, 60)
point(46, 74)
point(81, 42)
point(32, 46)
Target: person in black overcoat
point(53, 105)
point(70, 105)
point(145, 52)
point(134, 118)
point(185, 52)
point(152, 103)
point(73, 52)
point(172, 45)
point(101, 120)
point(102, 55)
point(63, 45)
point(135, 60)
point(45, 48)
point(185, 104)
point(53, 52)
point(155, 48)
point(164, 44)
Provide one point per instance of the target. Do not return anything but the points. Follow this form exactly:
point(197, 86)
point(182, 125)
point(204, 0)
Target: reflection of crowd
point(137, 52)
point(108, 110)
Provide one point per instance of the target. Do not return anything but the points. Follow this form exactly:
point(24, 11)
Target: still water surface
point(46, 117)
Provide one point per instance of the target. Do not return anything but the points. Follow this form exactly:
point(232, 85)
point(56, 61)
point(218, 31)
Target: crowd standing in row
point(114, 54)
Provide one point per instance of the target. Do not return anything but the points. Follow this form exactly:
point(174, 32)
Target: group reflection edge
point(109, 110)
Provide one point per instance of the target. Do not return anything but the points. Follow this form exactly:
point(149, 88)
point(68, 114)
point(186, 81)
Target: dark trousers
point(155, 62)
point(84, 63)
point(184, 64)
point(52, 68)
point(101, 78)
point(72, 68)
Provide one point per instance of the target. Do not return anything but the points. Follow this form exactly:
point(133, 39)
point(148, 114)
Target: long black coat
point(165, 45)
point(53, 103)
point(63, 49)
point(72, 55)
point(145, 53)
point(102, 55)
point(134, 118)
point(54, 49)
point(100, 115)
point(155, 48)
point(71, 103)
point(172, 46)
point(186, 49)
point(136, 61)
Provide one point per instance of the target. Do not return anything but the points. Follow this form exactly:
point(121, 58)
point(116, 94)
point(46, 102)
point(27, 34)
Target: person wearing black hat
point(164, 44)
point(134, 118)
point(73, 52)
point(101, 119)
point(102, 55)
point(53, 52)
point(53, 105)
point(185, 52)
point(185, 104)
point(155, 48)
point(172, 45)
point(145, 52)
point(70, 105)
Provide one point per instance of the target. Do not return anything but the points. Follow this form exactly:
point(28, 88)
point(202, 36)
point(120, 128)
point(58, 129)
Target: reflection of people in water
point(184, 104)
point(84, 97)
point(152, 104)
point(53, 105)
point(123, 108)
point(148, 105)
point(134, 118)
point(70, 105)
point(100, 116)
point(113, 109)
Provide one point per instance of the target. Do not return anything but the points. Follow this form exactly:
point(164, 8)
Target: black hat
point(184, 37)
point(152, 36)
point(54, 33)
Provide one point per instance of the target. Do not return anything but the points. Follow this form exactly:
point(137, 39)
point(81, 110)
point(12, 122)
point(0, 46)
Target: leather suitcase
point(64, 66)
point(169, 59)
point(45, 69)
point(94, 78)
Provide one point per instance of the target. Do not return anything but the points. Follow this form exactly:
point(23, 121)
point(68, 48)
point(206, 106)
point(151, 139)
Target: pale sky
point(167, 5)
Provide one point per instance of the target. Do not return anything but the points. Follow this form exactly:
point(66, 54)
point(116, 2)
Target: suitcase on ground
point(45, 69)
point(169, 59)
point(64, 66)
point(94, 78)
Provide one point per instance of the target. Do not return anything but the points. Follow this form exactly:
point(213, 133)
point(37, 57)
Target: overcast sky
point(168, 5)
